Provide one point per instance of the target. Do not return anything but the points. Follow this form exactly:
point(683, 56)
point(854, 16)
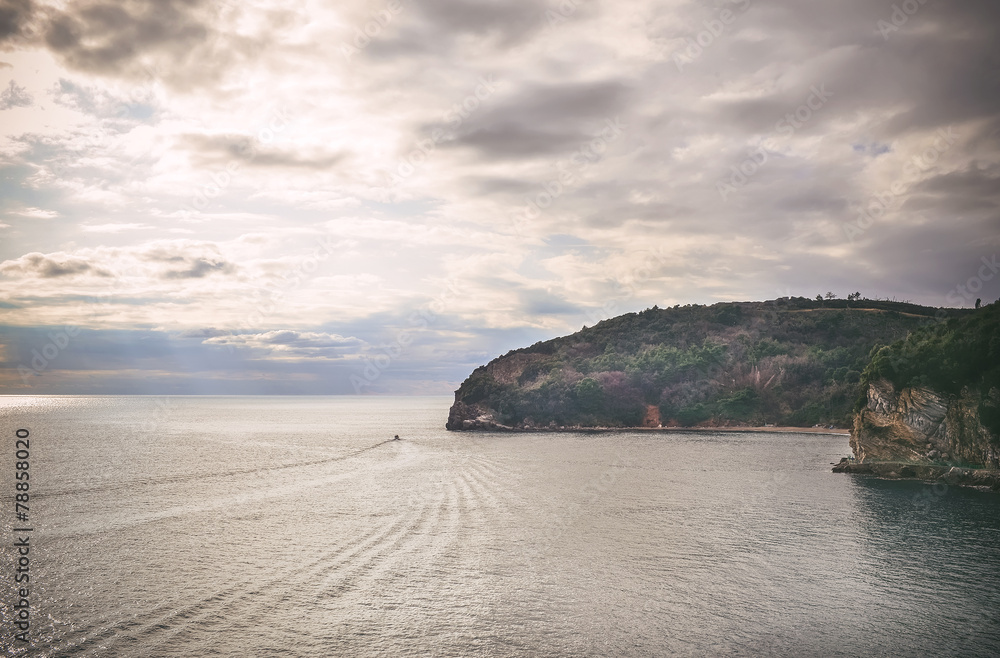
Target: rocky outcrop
point(474, 417)
point(921, 425)
point(972, 477)
point(470, 417)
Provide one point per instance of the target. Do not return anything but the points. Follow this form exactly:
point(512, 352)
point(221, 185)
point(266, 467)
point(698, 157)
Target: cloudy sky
point(376, 197)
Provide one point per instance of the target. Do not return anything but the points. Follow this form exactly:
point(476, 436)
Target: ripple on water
point(236, 526)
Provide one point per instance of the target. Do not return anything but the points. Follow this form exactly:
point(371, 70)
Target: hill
point(790, 361)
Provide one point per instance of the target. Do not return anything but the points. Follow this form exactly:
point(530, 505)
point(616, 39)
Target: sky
point(305, 197)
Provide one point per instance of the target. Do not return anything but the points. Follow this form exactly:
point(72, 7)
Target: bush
point(740, 406)
point(693, 415)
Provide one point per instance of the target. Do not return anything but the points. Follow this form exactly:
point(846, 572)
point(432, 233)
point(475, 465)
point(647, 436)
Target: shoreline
point(966, 476)
point(767, 428)
point(728, 429)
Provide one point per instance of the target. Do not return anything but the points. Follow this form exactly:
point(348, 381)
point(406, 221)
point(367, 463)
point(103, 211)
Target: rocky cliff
point(921, 425)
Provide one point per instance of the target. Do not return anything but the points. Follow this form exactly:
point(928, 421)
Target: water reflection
point(929, 555)
point(292, 526)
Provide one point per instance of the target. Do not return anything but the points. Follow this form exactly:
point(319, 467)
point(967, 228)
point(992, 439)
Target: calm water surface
point(236, 526)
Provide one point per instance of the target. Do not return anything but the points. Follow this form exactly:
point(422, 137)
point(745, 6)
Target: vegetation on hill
point(792, 361)
point(947, 356)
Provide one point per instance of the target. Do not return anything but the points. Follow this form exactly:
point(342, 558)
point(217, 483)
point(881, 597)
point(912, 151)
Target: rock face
point(920, 425)
point(469, 417)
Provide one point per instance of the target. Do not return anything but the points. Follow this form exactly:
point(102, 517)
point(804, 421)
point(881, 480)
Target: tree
point(831, 295)
point(854, 296)
point(589, 395)
point(979, 302)
point(819, 298)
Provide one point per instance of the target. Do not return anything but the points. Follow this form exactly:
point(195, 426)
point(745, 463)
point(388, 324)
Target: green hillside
point(947, 357)
point(792, 361)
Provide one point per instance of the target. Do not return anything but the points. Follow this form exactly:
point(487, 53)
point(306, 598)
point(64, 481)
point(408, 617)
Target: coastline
point(955, 475)
point(767, 428)
point(728, 429)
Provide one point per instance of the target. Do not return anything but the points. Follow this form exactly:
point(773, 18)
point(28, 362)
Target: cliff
point(793, 362)
point(934, 397)
point(920, 424)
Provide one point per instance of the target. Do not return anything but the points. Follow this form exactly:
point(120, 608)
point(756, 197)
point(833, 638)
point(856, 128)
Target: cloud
point(510, 21)
point(15, 96)
point(286, 343)
point(439, 27)
point(203, 332)
point(221, 149)
point(14, 18)
point(49, 266)
point(540, 120)
point(159, 260)
point(431, 179)
point(138, 106)
point(113, 228)
point(35, 213)
point(117, 362)
point(185, 45)
point(184, 259)
point(105, 37)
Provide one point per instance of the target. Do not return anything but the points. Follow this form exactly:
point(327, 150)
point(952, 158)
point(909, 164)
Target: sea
point(297, 526)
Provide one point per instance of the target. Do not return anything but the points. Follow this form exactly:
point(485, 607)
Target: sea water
point(295, 526)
